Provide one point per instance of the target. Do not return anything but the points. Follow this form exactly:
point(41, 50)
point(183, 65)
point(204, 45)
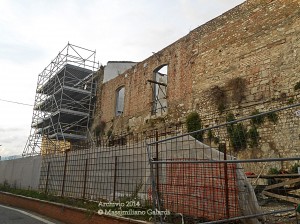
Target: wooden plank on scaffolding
point(282, 197)
point(281, 184)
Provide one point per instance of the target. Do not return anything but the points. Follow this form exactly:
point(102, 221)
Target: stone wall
point(257, 41)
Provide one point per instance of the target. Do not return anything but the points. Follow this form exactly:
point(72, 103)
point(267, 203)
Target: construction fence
point(197, 177)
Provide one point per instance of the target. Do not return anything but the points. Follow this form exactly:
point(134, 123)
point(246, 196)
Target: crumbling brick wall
point(257, 41)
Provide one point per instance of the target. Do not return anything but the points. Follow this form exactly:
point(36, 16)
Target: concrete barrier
point(23, 173)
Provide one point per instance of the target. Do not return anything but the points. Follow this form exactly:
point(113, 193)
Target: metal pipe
point(64, 177)
point(115, 178)
point(157, 165)
point(85, 177)
point(47, 179)
point(155, 196)
point(226, 184)
point(228, 161)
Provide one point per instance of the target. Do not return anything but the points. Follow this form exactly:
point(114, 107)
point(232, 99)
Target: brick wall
point(257, 41)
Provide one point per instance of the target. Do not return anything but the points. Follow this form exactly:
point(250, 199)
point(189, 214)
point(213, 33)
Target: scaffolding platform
point(63, 104)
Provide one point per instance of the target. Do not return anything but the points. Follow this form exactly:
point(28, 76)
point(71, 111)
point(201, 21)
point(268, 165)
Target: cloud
point(12, 143)
point(19, 53)
point(33, 32)
point(7, 130)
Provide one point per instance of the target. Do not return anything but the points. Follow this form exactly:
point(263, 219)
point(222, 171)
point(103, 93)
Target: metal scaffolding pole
point(63, 102)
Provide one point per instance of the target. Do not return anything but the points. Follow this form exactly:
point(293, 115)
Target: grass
point(80, 203)
point(90, 206)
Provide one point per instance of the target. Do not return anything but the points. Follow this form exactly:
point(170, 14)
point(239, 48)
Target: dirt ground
point(270, 205)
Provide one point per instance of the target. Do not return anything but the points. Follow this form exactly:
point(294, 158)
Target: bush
point(193, 123)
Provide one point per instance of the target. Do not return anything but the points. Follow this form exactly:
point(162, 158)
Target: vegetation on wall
point(109, 133)
point(240, 137)
point(211, 137)
point(297, 86)
point(259, 120)
point(219, 98)
point(290, 101)
point(193, 123)
point(237, 134)
point(253, 136)
point(238, 86)
point(294, 168)
point(99, 129)
point(273, 117)
point(273, 171)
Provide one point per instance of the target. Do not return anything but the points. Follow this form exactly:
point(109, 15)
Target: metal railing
point(209, 181)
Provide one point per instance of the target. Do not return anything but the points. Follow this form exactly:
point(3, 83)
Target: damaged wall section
point(255, 43)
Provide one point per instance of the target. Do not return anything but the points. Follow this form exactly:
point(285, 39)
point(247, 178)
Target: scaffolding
point(63, 104)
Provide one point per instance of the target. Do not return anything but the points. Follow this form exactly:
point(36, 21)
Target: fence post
point(226, 182)
point(157, 165)
point(64, 177)
point(47, 179)
point(85, 177)
point(115, 178)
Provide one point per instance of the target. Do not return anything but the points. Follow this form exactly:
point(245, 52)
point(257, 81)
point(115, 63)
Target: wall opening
point(120, 94)
point(159, 84)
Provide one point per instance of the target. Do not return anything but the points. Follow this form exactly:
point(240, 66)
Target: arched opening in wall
point(159, 84)
point(120, 95)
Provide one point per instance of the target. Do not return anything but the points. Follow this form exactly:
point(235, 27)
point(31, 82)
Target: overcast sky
point(32, 32)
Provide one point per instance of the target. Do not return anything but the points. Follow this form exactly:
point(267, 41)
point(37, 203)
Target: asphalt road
point(9, 215)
